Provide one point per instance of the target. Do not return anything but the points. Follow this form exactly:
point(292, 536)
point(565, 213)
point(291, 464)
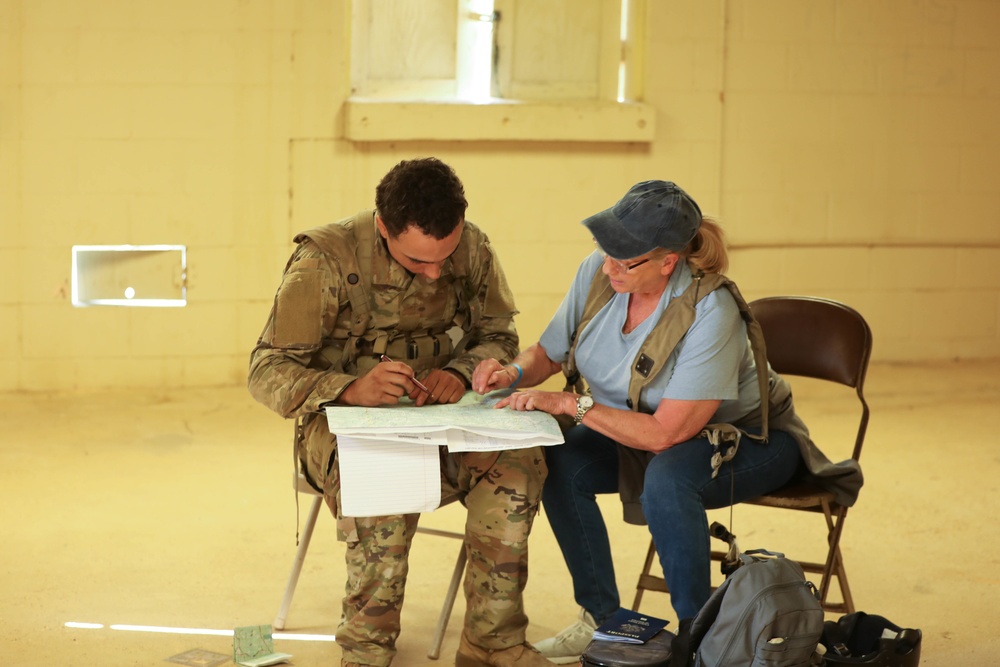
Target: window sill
point(372, 120)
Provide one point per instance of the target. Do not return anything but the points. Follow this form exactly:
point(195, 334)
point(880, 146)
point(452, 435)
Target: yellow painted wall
point(847, 145)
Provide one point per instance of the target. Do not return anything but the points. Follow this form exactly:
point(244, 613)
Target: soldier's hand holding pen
point(439, 386)
point(384, 384)
point(390, 380)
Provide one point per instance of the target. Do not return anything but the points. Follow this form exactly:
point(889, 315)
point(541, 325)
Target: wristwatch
point(583, 404)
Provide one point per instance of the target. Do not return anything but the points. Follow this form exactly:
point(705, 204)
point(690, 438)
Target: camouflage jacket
point(316, 342)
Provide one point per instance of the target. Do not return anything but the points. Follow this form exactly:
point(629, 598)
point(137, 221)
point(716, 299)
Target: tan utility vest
point(675, 321)
point(673, 324)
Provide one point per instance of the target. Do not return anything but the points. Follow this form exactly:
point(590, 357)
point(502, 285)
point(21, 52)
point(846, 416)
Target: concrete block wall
point(846, 145)
point(858, 163)
point(128, 122)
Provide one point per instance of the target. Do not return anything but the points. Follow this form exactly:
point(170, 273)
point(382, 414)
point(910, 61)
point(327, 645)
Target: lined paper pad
point(382, 477)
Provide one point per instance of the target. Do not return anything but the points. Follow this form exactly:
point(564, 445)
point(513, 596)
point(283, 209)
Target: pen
point(420, 385)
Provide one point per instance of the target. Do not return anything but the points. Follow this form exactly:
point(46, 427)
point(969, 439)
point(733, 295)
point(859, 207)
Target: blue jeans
point(678, 489)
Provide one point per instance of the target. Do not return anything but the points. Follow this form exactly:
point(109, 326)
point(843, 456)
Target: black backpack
point(764, 613)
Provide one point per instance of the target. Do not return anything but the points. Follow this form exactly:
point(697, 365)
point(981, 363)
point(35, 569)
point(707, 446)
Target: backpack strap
point(759, 555)
point(706, 616)
point(598, 296)
point(359, 271)
point(681, 653)
point(836, 635)
point(469, 312)
point(759, 349)
point(674, 323)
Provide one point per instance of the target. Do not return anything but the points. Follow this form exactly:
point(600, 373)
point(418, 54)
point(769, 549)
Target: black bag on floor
point(866, 639)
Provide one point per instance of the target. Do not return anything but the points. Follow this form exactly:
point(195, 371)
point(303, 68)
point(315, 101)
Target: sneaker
point(567, 646)
point(522, 655)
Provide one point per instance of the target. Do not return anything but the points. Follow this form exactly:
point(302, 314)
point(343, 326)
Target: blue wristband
point(520, 374)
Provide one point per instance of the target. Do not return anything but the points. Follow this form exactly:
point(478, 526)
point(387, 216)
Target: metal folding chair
point(825, 340)
point(303, 486)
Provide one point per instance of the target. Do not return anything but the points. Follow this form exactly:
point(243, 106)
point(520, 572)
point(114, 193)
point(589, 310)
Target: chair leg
point(300, 556)
point(644, 577)
point(449, 602)
point(834, 566)
point(840, 572)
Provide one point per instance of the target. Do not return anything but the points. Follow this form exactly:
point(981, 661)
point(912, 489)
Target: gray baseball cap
point(652, 214)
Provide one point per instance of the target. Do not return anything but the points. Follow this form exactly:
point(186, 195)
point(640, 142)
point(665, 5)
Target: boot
point(522, 655)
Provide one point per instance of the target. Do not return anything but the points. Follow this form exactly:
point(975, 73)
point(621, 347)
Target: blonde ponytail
point(707, 251)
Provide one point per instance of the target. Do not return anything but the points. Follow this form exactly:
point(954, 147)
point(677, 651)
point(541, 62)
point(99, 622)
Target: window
point(129, 275)
point(496, 69)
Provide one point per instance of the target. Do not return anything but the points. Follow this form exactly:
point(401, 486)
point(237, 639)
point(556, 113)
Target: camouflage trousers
point(501, 491)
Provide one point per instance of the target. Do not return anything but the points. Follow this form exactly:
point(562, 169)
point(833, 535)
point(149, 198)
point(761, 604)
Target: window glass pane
point(551, 50)
point(403, 40)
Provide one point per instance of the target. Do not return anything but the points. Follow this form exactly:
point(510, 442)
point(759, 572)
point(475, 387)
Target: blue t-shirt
point(712, 361)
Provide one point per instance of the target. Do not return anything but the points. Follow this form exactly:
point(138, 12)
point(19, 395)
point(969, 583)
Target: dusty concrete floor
point(168, 508)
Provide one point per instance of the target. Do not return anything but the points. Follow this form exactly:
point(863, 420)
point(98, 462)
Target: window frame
point(430, 110)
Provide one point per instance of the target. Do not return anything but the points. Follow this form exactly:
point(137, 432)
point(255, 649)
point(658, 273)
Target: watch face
point(586, 402)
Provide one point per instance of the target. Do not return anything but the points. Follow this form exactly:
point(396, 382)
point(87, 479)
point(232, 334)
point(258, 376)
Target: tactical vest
point(359, 348)
point(675, 321)
point(356, 348)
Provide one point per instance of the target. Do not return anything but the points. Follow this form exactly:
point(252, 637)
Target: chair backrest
point(817, 338)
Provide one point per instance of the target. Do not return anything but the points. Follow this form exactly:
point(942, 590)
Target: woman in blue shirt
point(650, 247)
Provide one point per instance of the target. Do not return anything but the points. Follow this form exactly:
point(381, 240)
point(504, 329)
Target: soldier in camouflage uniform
point(415, 282)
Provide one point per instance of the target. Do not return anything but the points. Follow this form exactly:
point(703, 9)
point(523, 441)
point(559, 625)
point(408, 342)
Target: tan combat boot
point(523, 655)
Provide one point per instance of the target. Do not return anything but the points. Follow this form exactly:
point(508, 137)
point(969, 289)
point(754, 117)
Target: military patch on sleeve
point(298, 316)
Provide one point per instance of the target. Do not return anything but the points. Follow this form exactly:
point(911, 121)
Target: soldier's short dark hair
point(424, 192)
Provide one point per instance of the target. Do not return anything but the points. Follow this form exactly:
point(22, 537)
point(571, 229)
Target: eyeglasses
point(618, 264)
